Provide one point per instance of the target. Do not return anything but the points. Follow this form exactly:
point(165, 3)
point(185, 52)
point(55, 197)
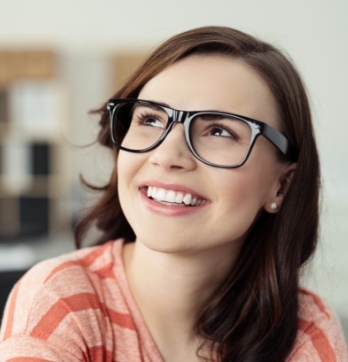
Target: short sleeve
point(320, 336)
point(37, 322)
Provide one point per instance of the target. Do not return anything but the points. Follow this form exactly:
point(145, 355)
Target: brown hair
point(253, 315)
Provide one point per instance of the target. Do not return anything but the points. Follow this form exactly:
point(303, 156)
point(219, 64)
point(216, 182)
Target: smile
point(174, 197)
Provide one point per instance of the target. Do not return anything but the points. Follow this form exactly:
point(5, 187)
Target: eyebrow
point(163, 104)
point(159, 103)
point(148, 105)
point(213, 117)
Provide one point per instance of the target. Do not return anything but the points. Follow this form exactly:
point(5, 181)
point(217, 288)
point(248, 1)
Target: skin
point(182, 254)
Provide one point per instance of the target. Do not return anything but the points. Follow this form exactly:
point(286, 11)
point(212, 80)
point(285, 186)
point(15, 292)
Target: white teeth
point(179, 197)
point(170, 197)
point(160, 195)
point(187, 199)
point(173, 197)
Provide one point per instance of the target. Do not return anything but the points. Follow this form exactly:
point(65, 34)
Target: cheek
point(121, 177)
point(127, 166)
point(125, 175)
point(241, 200)
point(244, 191)
point(243, 187)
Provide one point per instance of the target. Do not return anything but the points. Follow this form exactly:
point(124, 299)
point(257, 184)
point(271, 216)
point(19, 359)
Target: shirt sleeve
point(320, 336)
point(51, 316)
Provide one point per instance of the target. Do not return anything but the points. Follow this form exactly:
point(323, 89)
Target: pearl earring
point(273, 205)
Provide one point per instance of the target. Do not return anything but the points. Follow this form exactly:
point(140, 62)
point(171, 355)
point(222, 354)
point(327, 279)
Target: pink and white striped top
point(78, 307)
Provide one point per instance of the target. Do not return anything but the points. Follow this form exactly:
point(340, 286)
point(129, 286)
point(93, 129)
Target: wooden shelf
point(16, 64)
point(32, 181)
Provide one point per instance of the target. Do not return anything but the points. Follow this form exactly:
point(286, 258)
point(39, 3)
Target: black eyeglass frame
point(185, 117)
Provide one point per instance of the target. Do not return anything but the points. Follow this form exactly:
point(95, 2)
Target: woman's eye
point(152, 121)
point(221, 132)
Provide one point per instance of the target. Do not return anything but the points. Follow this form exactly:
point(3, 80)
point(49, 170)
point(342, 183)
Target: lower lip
point(170, 209)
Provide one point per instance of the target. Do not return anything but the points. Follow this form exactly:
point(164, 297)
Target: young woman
point(209, 215)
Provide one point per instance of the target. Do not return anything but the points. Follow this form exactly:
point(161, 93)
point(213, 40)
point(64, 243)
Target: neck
point(170, 289)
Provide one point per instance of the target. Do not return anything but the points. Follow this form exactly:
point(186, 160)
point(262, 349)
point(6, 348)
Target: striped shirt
point(78, 307)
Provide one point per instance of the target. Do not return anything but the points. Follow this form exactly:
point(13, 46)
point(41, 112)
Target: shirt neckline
point(146, 342)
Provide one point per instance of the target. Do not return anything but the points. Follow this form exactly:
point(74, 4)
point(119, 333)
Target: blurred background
point(60, 59)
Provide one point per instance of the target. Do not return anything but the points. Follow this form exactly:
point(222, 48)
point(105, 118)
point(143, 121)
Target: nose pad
point(174, 151)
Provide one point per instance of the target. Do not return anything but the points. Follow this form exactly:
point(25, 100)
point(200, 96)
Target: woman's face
point(229, 199)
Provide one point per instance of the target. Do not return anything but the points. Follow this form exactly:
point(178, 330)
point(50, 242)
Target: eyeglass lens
point(218, 139)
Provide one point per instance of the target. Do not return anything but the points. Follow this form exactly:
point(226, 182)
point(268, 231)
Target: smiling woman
point(210, 214)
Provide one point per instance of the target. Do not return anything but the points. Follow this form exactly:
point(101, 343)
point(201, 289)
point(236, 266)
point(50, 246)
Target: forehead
point(214, 82)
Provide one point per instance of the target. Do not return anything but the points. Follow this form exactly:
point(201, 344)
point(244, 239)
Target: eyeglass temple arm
point(278, 140)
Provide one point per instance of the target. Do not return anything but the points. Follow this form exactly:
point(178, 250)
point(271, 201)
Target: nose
point(173, 152)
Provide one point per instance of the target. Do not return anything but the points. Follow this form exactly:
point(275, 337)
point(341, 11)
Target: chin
point(165, 244)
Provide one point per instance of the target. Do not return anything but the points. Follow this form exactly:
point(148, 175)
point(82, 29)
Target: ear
point(285, 177)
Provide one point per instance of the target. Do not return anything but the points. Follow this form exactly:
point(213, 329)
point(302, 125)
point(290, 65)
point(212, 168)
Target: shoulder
point(320, 336)
point(79, 280)
point(90, 260)
point(67, 304)
point(315, 316)
point(73, 267)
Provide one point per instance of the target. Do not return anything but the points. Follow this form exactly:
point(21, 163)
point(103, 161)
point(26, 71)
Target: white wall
point(313, 32)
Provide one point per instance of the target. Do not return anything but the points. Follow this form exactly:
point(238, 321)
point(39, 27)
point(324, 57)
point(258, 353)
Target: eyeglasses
point(218, 139)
